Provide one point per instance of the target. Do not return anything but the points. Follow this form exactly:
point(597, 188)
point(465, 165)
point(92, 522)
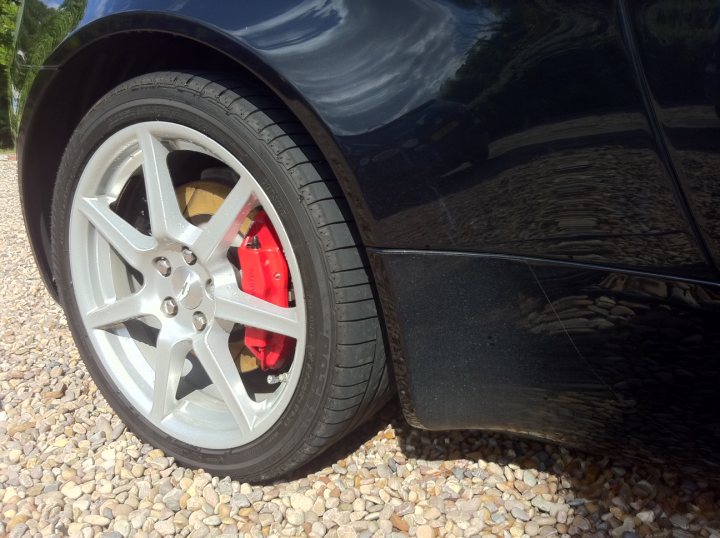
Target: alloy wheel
point(160, 306)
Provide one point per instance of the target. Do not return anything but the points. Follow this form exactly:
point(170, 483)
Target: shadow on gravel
point(597, 493)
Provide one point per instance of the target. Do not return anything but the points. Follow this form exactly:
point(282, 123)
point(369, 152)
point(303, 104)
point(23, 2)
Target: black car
point(262, 218)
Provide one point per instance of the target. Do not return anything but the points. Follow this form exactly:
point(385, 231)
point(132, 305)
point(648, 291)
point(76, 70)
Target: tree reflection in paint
point(43, 29)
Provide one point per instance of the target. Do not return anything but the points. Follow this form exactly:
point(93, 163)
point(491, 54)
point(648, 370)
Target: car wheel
point(210, 272)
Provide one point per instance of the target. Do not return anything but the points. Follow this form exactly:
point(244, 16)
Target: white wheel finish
point(189, 290)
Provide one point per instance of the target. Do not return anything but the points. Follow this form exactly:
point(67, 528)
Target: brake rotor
point(199, 201)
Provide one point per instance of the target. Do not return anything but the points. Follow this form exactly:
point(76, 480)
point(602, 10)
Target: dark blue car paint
point(569, 352)
point(502, 160)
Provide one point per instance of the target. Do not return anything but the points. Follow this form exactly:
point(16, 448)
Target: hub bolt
point(199, 321)
point(169, 307)
point(163, 266)
point(188, 256)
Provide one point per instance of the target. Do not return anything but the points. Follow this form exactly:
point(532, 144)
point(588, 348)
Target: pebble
point(14, 455)
point(295, 517)
point(529, 478)
point(301, 502)
point(71, 490)
point(679, 520)
point(425, 531)
point(519, 513)
point(70, 467)
point(94, 519)
point(212, 521)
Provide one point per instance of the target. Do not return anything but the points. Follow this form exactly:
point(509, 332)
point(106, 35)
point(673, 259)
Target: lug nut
point(163, 266)
point(188, 256)
point(199, 321)
point(169, 307)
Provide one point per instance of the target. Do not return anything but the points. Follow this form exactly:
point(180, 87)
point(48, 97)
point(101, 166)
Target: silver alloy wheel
point(187, 291)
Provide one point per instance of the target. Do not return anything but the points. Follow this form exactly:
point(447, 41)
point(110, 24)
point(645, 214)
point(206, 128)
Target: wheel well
point(75, 88)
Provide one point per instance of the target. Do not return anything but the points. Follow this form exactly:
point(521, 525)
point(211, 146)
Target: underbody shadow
point(603, 488)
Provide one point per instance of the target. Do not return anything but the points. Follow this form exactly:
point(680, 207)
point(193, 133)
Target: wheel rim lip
point(197, 421)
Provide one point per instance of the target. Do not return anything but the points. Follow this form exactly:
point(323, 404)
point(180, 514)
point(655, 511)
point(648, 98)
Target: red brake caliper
point(265, 275)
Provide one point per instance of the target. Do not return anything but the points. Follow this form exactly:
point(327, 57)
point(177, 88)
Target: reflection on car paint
point(678, 42)
point(582, 355)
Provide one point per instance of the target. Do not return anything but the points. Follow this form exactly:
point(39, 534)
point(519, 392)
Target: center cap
point(187, 287)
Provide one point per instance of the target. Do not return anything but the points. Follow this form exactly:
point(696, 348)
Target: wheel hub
point(188, 287)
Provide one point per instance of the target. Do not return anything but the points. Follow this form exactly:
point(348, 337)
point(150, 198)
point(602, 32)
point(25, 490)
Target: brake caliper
point(265, 275)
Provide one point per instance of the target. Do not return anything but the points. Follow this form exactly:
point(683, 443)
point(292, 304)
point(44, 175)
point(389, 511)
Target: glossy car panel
point(487, 120)
point(556, 351)
point(680, 51)
point(653, 342)
point(504, 132)
point(571, 169)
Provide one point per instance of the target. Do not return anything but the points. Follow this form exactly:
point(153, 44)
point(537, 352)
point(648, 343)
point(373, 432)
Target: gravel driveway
point(69, 467)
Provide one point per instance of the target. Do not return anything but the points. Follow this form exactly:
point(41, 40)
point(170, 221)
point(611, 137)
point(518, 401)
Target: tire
point(114, 298)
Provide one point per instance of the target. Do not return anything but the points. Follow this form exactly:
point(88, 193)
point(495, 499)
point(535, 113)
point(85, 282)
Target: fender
point(51, 93)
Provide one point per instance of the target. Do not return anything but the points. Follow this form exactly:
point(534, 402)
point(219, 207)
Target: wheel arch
point(109, 51)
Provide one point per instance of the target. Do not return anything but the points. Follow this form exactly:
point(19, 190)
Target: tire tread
point(361, 384)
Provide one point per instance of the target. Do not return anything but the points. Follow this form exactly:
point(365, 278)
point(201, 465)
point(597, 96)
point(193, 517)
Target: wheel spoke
point(240, 307)
point(131, 307)
point(213, 352)
point(223, 227)
point(132, 245)
point(166, 219)
point(170, 356)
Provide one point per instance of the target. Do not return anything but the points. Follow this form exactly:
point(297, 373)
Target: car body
point(535, 185)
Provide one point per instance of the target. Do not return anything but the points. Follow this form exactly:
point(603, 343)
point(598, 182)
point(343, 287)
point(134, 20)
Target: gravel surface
point(69, 467)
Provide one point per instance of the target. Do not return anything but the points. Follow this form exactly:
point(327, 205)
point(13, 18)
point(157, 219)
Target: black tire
point(345, 375)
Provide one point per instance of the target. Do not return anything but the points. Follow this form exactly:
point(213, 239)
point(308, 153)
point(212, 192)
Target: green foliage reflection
point(8, 14)
point(41, 30)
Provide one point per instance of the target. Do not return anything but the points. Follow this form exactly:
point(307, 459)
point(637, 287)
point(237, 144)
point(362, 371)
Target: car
point(263, 219)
